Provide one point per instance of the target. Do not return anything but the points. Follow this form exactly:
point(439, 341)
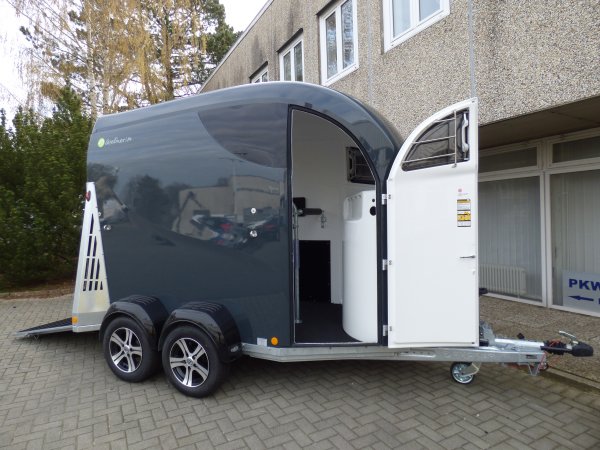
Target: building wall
point(537, 77)
point(529, 56)
point(535, 55)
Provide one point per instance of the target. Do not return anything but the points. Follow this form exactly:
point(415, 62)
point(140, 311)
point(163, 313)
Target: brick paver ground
point(57, 392)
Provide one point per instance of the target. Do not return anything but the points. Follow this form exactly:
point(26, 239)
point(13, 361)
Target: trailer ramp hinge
point(385, 263)
point(385, 198)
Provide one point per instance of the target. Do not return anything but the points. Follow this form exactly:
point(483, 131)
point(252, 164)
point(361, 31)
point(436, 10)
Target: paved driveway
point(57, 392)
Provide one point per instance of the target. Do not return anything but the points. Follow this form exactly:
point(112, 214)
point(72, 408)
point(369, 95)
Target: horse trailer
point(284, 221)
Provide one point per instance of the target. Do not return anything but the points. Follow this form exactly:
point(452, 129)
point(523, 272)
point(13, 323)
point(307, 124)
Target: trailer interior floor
point(321, 324)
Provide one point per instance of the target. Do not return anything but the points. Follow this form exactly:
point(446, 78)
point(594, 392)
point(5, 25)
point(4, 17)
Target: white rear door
point(433, 292)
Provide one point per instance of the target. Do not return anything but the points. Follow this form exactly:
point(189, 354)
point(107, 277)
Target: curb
point(583, 383)
point(40, 294)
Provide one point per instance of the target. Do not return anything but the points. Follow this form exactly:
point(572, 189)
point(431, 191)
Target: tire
point(191, 362)
point(128, 352)
point(455, 372)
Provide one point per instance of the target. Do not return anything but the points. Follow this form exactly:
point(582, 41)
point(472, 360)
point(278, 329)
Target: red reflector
point(88, 195)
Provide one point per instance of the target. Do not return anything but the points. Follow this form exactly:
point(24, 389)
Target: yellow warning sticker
point(463, 212)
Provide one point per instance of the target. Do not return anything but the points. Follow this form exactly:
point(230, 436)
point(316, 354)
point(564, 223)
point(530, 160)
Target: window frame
point(571, 137)
point(416, 26)
point(290, 49)
point(535, 171)
point(510, 148)
point(257, 77)
point(336, 8)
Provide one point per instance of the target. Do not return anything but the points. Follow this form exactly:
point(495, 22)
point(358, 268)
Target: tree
point(42, 178)
point(218, 44)
point(123, 54)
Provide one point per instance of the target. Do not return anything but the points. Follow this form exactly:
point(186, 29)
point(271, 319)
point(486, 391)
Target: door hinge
point(385, 198)
point(386, 329)
point(385, 263)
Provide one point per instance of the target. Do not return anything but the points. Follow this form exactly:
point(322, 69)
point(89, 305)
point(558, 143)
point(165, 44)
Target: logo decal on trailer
point(102, 142)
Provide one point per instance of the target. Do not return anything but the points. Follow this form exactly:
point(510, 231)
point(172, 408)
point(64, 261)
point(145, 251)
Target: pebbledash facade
point(535, 67)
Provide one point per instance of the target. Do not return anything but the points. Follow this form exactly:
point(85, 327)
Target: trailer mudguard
point(148, 312)
point(212, 318)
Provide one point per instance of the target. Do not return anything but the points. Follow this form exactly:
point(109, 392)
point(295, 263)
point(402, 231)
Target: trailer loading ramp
point(59, 326)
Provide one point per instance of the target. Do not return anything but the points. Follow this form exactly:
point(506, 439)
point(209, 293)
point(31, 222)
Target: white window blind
point(509, 237)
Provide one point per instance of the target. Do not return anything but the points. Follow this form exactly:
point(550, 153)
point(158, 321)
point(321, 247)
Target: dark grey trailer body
point(183, 187)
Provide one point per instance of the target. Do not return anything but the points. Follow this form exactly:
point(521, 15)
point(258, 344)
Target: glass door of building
point(575, 239)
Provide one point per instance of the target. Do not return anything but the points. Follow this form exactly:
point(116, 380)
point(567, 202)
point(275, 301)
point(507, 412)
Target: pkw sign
point(581, 291)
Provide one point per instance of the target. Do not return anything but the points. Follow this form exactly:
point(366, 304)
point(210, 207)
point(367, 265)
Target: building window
point(339, 54)
point(539, 216)
point(291, 62)
point(261, 76)
point(510, 159)
point(405, 18)
point(576, 150)
point(510, 253)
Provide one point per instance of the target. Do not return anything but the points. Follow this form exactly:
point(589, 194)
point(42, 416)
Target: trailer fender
point(213, 319)
point(148, 312)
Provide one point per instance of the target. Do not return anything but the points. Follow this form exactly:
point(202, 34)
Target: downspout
point(473, 82)
point(370, 57)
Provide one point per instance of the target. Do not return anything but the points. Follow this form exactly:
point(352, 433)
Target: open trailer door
point(432, 233)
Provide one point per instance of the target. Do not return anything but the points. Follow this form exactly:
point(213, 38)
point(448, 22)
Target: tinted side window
point(440, 144)
point(259, 133)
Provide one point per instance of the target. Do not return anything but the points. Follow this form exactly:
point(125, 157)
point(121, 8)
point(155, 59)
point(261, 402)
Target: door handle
point(463, 133)
point(468, 257)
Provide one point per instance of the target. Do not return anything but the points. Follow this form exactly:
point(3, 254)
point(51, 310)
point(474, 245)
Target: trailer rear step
point(59, 326)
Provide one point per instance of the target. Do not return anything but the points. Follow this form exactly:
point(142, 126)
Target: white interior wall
point(319, 175)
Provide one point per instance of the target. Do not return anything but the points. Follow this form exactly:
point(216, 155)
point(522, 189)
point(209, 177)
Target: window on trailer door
point(440, 144)
point(338, 41)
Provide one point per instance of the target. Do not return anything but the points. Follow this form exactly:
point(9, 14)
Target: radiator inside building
point(509, 280)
